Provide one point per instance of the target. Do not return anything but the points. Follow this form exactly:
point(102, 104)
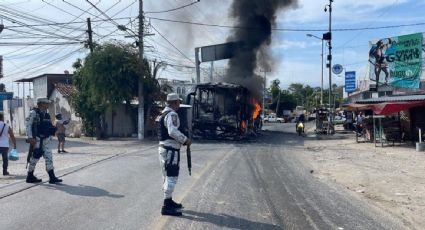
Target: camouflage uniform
point(34, 117)
point(39, 127)
point(169, 143)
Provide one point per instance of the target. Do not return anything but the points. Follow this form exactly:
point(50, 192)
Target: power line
point(37, 43)
point(288, 29)
point(380, 15)
point(103, 13)
point(170, 10)
point(68, 23)
point(184, 55)
point(45, 65)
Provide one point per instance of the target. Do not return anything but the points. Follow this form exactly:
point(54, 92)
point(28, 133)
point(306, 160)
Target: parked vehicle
point(339, 120)
point(273, 118)
point(287, 115)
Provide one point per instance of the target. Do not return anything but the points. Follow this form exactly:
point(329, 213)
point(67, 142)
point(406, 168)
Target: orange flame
point(243, 124)
point(257, 109)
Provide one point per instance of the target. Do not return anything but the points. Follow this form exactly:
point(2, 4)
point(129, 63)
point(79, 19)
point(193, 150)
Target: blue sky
point(296, 56)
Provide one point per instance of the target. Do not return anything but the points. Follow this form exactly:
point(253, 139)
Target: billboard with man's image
point(398, 61)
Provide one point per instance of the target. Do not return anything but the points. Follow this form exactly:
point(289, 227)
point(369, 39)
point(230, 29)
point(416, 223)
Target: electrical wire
point(288, 29)
point(170, 10)
point(66, 23)
point(184, 55)
point(380, 15)
point(37, 43)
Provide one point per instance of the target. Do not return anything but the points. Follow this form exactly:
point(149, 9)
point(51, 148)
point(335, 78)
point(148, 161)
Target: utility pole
point(90, 44)
point(90, 32)
point(321, 85)
point(212, 72)
point(198, 66)
point(264, 92)
point(329, 65)
point(278, 102)
point(141, 112)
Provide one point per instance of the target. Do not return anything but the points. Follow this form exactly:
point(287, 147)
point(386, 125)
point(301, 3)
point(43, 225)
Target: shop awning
point(386, 107)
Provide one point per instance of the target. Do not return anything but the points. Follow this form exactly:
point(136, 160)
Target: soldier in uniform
point(39, 132)
point(170, 141)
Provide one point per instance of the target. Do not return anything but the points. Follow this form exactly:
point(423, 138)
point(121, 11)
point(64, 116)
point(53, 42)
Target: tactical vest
point(162, 129)
point(42, 125)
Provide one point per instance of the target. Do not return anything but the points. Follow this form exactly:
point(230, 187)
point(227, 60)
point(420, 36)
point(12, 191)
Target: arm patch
point(174, 119)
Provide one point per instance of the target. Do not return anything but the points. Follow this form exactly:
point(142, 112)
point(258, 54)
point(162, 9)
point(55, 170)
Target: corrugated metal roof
point(392, 99)
point(65, 89)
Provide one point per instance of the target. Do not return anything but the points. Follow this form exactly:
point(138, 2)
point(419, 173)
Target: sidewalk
point(82, 151)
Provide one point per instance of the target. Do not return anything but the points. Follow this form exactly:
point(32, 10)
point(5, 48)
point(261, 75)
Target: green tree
point(282, 99)
point(107, 77)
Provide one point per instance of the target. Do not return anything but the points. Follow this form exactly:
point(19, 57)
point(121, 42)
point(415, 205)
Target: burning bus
point(223, 111)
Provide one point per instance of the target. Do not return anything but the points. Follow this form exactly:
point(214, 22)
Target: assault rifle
point(189, 159)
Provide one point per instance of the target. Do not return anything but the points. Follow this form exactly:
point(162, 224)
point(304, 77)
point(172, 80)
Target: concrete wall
point(40, 87)
point(62, 105)
point(14, 115)
point(123, 125)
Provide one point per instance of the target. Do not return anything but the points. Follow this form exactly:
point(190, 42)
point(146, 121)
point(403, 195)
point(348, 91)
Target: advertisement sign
point(350, 81)
point(397, 61)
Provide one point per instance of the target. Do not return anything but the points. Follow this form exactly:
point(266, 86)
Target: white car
point(272, 118)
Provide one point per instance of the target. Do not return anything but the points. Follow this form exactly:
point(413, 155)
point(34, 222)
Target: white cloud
point(288, 44)
point(353, 10)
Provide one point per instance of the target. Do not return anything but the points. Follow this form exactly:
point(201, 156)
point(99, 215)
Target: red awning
point(386, 107)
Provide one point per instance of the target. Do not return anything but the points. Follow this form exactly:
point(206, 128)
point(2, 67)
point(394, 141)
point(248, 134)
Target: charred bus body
point(223, 111)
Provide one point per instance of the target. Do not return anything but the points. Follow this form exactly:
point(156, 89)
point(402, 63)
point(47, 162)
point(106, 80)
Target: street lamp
point(321, 86)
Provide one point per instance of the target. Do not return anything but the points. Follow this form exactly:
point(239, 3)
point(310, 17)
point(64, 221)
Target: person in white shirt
point(5, 133)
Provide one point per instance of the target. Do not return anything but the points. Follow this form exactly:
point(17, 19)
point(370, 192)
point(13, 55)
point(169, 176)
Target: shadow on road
point(83, 190)
point(14, 177)
point(276, 138)
point(227, 221)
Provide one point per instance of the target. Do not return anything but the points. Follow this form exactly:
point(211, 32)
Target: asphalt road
point(256, 184)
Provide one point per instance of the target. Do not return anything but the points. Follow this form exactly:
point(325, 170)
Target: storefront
point(399, 117)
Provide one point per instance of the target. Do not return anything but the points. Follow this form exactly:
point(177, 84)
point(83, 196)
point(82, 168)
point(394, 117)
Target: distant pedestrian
point(5, 133)
point(170, 141)
point(359, 123)
point(60, 132)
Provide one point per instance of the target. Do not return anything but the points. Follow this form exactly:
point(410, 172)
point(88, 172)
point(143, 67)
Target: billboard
point(220, 51)
point(397, 61)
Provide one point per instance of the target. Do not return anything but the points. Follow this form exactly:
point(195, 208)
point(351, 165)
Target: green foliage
point(108, 77)
point(299, 94)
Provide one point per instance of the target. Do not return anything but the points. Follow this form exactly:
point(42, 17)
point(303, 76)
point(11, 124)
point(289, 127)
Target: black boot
point(168, 209)
point(53, 178)
point(6, 173)
point(32, 179)
point(175, 205)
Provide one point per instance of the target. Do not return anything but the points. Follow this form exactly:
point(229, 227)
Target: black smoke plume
point(254, 22)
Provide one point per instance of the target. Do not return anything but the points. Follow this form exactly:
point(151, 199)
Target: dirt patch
point(391, 178)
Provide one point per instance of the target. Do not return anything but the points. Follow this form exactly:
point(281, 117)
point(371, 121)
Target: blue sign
point(350, 81)
point(4, 96)
point(337, 69)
